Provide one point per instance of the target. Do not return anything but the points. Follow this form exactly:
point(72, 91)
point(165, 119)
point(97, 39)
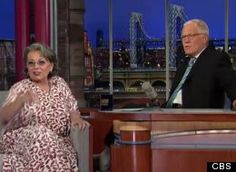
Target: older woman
point(38, 112)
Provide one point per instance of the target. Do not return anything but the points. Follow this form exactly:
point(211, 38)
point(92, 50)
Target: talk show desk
point(165, 140)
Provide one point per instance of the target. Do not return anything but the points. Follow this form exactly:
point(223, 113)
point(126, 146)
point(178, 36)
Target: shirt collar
point(199, 53)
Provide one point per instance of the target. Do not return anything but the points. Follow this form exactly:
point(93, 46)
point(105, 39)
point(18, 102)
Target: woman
point(39, 111)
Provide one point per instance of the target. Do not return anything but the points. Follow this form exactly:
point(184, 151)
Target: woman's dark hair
point(46, 52)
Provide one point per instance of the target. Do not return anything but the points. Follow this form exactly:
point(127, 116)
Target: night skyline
point(96, 17)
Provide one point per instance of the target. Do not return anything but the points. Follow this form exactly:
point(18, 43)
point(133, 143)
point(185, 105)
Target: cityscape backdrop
point(96, 17)
point(212, 11)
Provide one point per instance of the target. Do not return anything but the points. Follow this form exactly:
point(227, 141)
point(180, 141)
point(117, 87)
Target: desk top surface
point(173, 111)
point(158, 114)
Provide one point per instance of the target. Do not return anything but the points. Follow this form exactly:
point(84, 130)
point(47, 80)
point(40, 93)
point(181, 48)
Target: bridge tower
point(177, 18)
point(136, 20)
point(138, 38)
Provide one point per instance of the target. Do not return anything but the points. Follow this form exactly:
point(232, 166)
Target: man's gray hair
point(202, 26)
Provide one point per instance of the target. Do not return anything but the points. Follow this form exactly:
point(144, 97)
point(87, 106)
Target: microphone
point(150, 92)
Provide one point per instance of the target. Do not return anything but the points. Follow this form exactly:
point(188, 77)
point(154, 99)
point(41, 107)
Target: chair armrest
point(80, 140)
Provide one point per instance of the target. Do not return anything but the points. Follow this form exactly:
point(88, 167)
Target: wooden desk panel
point(162, 127)
point(188, 160)
point(193, 115)
point(170, 120)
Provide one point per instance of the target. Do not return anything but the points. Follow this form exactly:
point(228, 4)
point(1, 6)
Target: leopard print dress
point(37, 138)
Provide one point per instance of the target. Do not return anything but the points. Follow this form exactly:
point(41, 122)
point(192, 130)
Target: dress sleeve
point(71, 102)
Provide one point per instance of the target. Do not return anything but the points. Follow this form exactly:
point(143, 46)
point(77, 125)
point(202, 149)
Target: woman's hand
point(8, 111)
point(27, 97)
point(77, 121)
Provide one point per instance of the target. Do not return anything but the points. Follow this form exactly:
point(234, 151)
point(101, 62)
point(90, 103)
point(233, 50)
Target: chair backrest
point(3, 95)
point(82, 144)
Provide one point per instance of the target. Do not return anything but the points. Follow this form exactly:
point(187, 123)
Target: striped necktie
point(174, 94)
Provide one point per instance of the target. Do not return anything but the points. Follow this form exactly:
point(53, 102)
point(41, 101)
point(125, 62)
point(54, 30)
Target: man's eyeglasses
point(190, 36)
point(40, 63)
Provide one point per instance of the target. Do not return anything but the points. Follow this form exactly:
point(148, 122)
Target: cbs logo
point(221, 166)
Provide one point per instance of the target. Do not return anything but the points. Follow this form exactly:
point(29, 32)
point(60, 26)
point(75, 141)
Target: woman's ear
point(52, 66)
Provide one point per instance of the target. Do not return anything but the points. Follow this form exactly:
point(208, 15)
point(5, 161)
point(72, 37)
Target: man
point(205, 75)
